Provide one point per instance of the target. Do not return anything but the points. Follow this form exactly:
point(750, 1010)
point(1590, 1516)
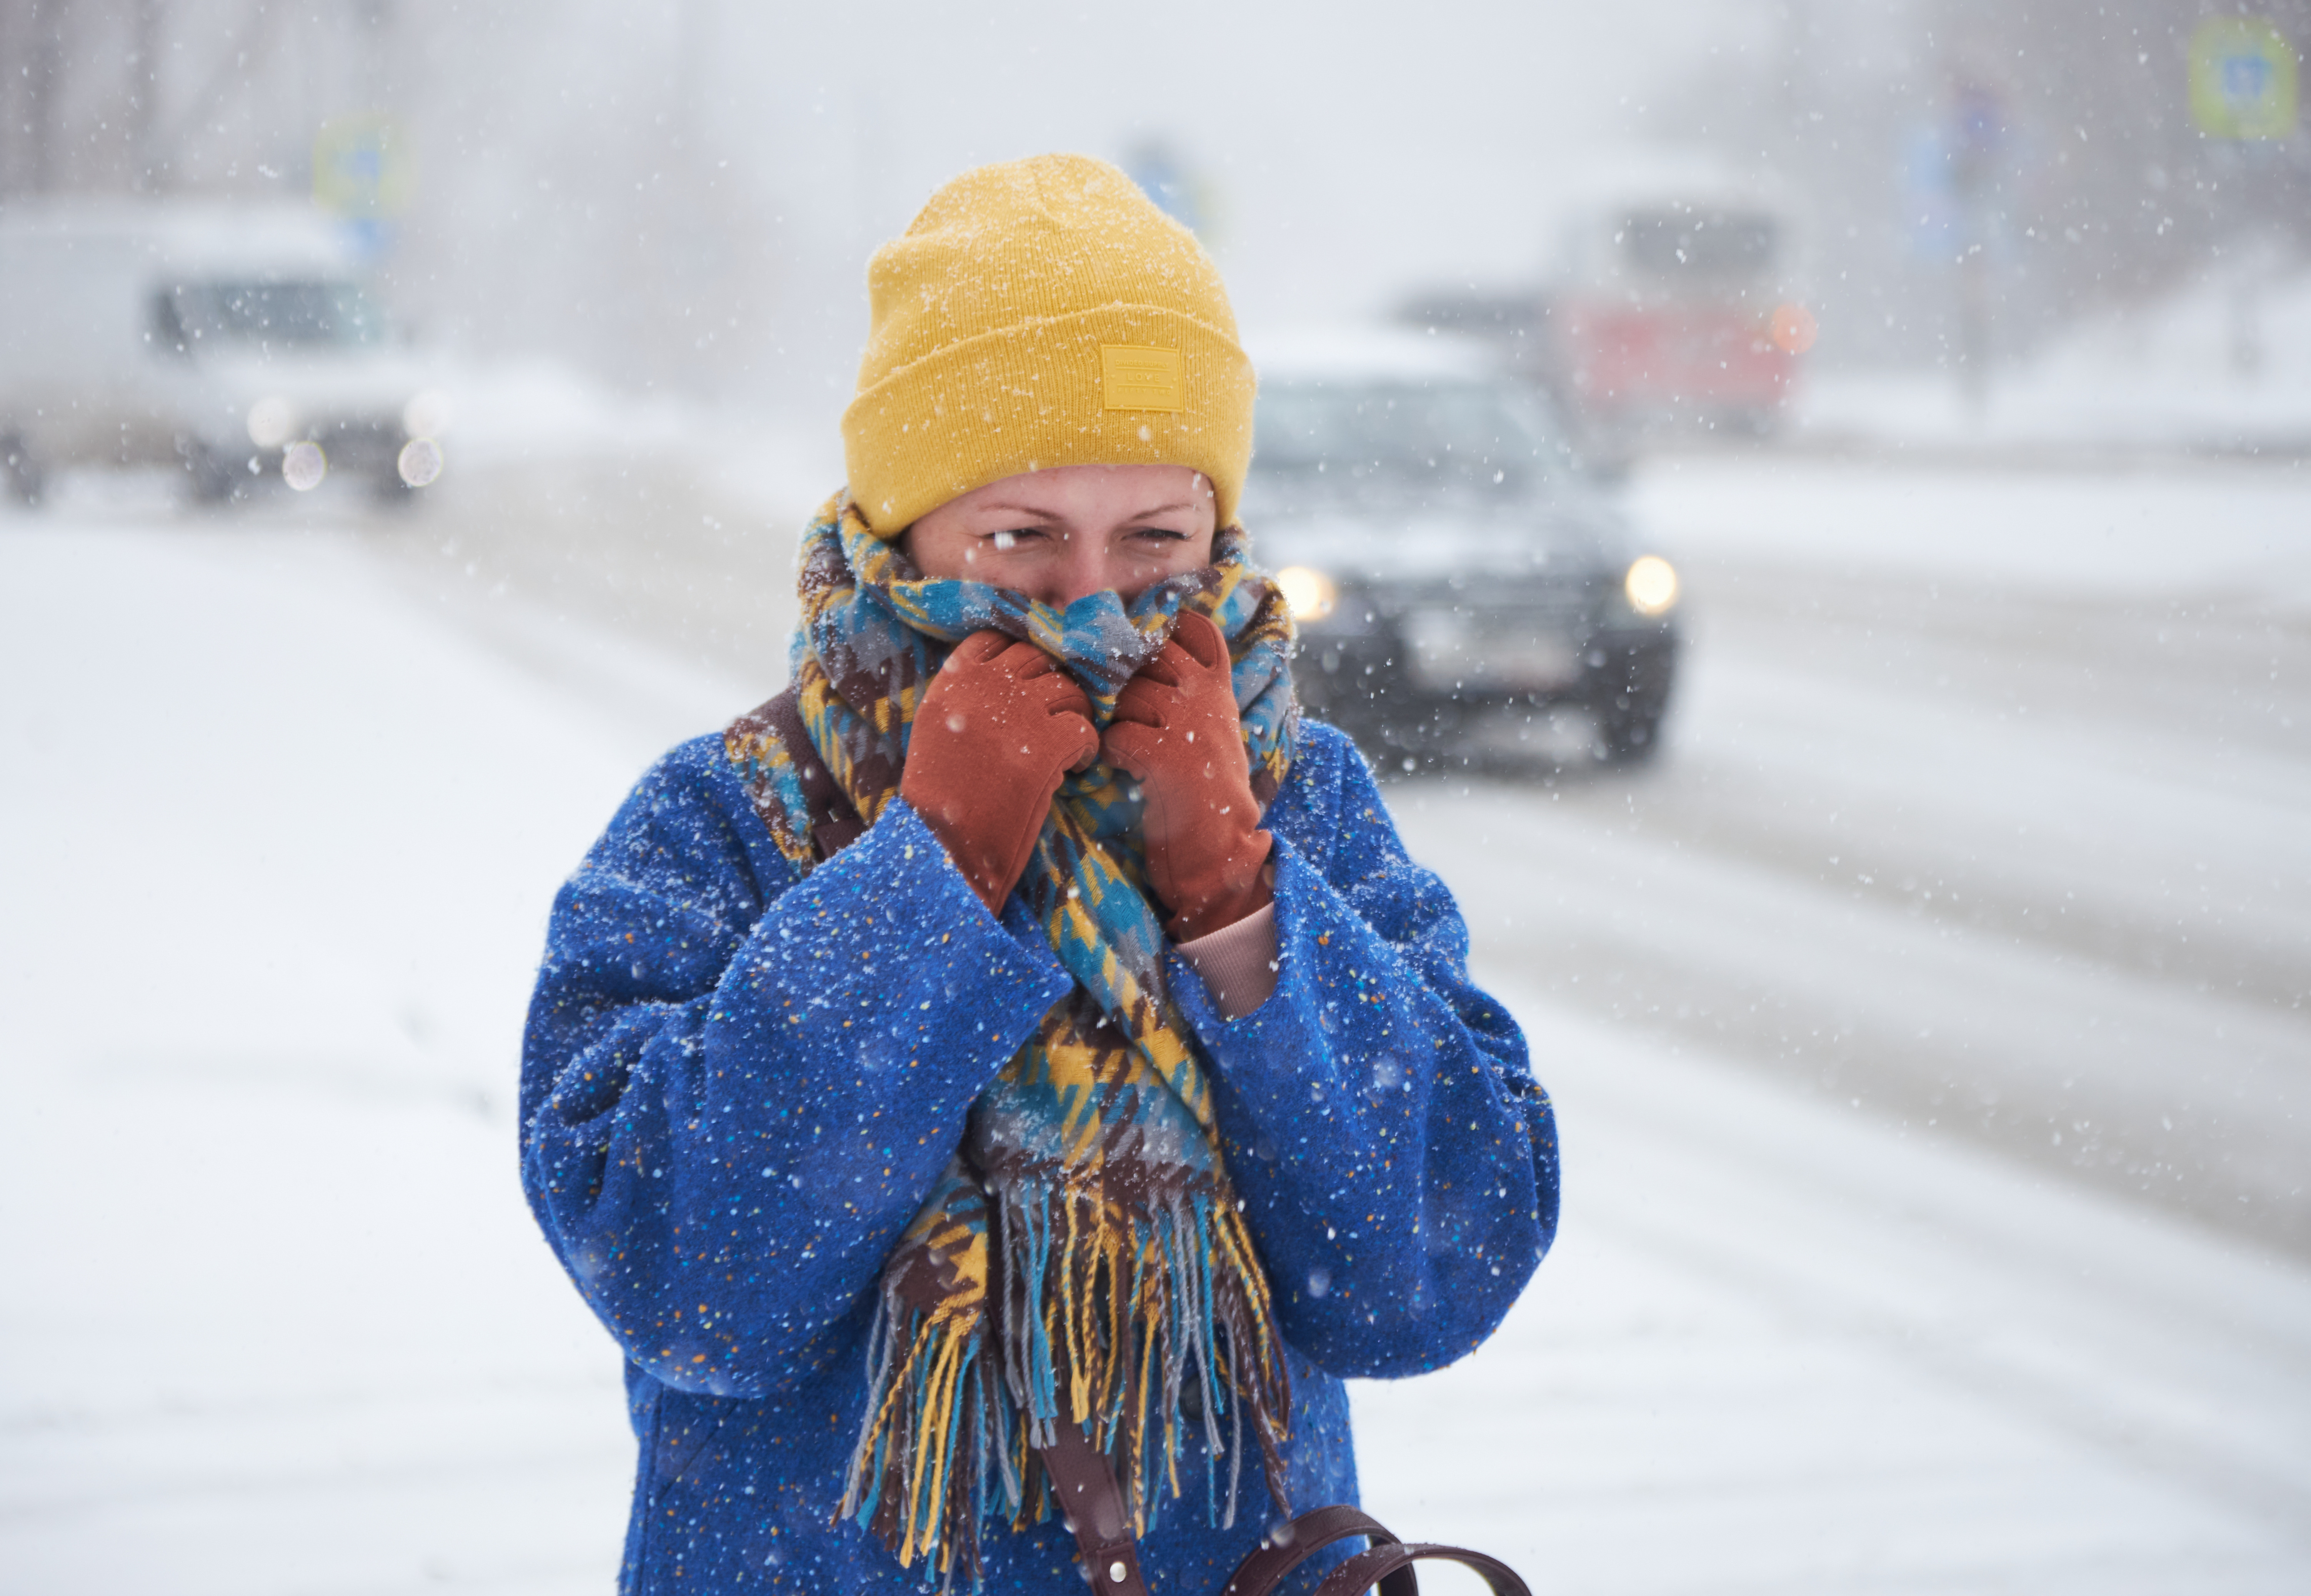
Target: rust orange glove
point(1175, 729)
point(999, 727)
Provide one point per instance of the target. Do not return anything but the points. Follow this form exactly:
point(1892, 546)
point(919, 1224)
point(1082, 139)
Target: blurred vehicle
point(1673, 305)
point(1455, 573)
point(234, 342)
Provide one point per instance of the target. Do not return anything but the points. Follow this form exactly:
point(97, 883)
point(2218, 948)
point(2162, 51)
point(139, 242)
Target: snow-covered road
point(285, 831)
point(1983, 805)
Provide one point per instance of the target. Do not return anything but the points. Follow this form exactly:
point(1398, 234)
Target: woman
point(1024, 1038)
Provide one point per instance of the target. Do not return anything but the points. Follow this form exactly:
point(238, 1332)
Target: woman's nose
point(1081, 571)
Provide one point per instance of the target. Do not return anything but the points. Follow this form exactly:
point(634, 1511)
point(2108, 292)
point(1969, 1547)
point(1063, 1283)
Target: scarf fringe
point(1111, 1313)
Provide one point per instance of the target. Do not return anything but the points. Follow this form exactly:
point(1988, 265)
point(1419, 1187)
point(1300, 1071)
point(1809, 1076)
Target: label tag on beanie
point(1133, 376)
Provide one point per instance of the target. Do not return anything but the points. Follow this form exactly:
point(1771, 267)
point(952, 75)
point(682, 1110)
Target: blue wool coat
point(738, 1082)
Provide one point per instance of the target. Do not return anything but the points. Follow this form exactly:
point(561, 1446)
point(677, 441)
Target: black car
point(1459, 580)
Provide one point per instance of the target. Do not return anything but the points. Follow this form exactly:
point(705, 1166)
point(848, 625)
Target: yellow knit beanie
point(1042, 313)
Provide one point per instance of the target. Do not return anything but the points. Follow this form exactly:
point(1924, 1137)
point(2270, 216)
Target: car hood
point(343, 382)
point(1416, 547)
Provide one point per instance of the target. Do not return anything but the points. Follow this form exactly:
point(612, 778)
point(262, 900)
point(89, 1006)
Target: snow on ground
point(1981, 802)
point(2229, 531)
point(2168, 376)
point(278, 1322)
point(508, 412)
point(1781, 1348)
point(277, 1318)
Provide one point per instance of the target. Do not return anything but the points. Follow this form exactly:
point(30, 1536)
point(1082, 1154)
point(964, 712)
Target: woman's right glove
point(999, 729)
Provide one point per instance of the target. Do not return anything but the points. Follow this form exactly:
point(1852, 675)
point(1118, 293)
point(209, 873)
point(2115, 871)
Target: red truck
point(1674, 306)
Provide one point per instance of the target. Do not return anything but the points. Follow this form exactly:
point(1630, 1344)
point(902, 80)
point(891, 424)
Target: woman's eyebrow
point(1033, 512)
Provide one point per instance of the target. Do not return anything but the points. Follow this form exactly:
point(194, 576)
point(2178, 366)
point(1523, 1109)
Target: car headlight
point(1308, 592)
point(1651, 586)
point(272, 423)
point(303, 465)
point(419, 462)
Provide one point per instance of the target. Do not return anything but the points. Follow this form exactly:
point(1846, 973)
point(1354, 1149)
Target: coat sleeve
point(738, 1085)
point(1396, 1162)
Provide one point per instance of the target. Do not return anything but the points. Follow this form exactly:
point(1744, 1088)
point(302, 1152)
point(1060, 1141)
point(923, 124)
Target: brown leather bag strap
point(1082, 1484)
point(1390, 1565)
point(835, 824)
point(1309, 1534)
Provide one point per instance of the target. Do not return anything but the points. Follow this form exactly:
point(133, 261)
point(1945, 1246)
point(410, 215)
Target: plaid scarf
point(1082, 1260)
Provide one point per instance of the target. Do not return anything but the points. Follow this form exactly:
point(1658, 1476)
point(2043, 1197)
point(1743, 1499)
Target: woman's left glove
point(1176, 730)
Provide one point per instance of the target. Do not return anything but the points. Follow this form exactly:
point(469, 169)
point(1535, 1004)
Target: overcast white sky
point(1353, 150)
point(1353, 146)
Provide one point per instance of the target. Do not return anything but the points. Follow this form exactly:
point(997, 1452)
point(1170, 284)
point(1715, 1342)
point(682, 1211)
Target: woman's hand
point(1001, 727)
point(1176, 730)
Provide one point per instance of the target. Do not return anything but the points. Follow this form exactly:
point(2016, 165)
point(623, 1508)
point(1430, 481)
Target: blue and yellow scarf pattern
point(1082, 1260)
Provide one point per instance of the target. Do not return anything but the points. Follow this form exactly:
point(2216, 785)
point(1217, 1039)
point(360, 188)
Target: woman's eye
point(1004, 542)
point(1158, 535)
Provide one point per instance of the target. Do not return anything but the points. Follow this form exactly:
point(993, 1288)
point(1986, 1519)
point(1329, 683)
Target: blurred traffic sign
point(1165, 178)
point(1977, 125)
point(2242, 79)
point(361, 169)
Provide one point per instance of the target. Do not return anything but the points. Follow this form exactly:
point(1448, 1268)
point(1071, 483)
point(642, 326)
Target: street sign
point(2242, 79)
point(1164, 179)
point(361, 169)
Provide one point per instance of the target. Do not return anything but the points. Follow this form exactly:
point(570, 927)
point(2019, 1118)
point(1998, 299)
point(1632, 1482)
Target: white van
point(233, 342)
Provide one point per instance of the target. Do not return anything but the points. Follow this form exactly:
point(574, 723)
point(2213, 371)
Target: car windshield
point(311, 312)
point(1685, 243)
point(1407, 438)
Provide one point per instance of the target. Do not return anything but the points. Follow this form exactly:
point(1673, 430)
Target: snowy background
point(1927, 1030)
point(1929, 1025)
